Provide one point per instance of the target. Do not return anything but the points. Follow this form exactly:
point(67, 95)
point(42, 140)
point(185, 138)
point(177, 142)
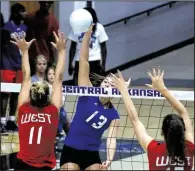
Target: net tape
point(111, 92)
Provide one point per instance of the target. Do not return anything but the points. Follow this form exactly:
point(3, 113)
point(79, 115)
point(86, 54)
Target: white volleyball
point(80, 21)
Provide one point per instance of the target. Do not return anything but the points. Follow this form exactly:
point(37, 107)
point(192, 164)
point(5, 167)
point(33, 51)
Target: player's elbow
point(59, 77)
point(26, 74)
point(134, 118)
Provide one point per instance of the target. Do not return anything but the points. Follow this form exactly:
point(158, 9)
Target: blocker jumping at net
point(93, 116)
point(178, 150)
point(37, 115)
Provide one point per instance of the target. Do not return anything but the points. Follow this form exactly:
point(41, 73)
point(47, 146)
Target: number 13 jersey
point(89, 123)
point(37, 132)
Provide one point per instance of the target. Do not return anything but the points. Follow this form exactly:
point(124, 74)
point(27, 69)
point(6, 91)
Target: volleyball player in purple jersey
point(93, 116)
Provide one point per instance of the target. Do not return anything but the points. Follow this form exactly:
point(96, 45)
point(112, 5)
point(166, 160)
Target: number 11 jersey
point(37, 132)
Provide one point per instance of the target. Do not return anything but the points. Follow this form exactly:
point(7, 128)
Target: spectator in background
point(2, 21)
point(41, 66)
point(3, 119)
point(11, 62)
point(97, 51)
point(41, 25)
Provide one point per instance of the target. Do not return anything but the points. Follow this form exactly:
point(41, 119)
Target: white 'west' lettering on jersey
point(166, 160)
point(31, 117)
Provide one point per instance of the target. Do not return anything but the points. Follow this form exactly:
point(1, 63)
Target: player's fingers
point(162, 74)
point(13, 42)
point(154, 71)
point(55, 36)
point(149, 85)
point(114, 77)
point(66, 40)
point(114, 85)
point(23, 35)
point(62, 36)
point(119, 74)
point(53, 44)
point(149, 74)
point(31, 41)
point(15, 37)
point(59, 34)
point(128, 82)
point(158, 71)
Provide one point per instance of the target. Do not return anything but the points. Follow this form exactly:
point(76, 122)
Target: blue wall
point(143, 35)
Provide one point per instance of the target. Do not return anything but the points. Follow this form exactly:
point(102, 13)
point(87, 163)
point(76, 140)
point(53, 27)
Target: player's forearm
point(60, 67)
point(177, 105)
point(84, 54)
point(111, 148)
point(83, 60)
point(129, 105)
point(25, 65)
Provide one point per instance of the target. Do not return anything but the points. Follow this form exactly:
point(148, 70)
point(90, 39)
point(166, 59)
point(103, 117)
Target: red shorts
point(9, 76)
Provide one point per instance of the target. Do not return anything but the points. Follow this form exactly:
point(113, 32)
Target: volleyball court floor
point(129, 154)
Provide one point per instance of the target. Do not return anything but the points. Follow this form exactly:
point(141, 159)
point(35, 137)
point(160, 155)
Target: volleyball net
point(151, 106)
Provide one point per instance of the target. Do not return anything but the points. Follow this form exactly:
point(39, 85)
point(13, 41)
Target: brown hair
point(96, 79)
point(53, 67)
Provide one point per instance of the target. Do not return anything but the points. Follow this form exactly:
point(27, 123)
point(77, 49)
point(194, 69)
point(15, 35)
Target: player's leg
point(10, 125)
point(70, 166)
point(4, 102)
point(20, 165)
point(91, 161)
point(68, 160)
point(94, 167)
point(7, 76)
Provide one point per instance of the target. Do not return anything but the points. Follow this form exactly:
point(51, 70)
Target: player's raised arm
point(26, 83)
point(83, 76)
point(60, 45)
point(140, 130)
point(158, 84)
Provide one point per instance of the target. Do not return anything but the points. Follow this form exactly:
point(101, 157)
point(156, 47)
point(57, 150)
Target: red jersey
point(41, 28)
point(159, 160)
point(37, 132)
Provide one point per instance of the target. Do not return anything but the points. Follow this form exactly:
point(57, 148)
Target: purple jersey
point(89, 123)
point(13, 28)
point(11, 57)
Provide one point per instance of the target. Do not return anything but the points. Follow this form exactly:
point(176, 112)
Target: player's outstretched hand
point(156, 76)
point(105, 165)
point(60, 41)
point(21, 42)
point(119, 82)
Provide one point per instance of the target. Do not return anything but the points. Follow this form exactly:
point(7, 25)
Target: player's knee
point(94, 167)
point(69, 166)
